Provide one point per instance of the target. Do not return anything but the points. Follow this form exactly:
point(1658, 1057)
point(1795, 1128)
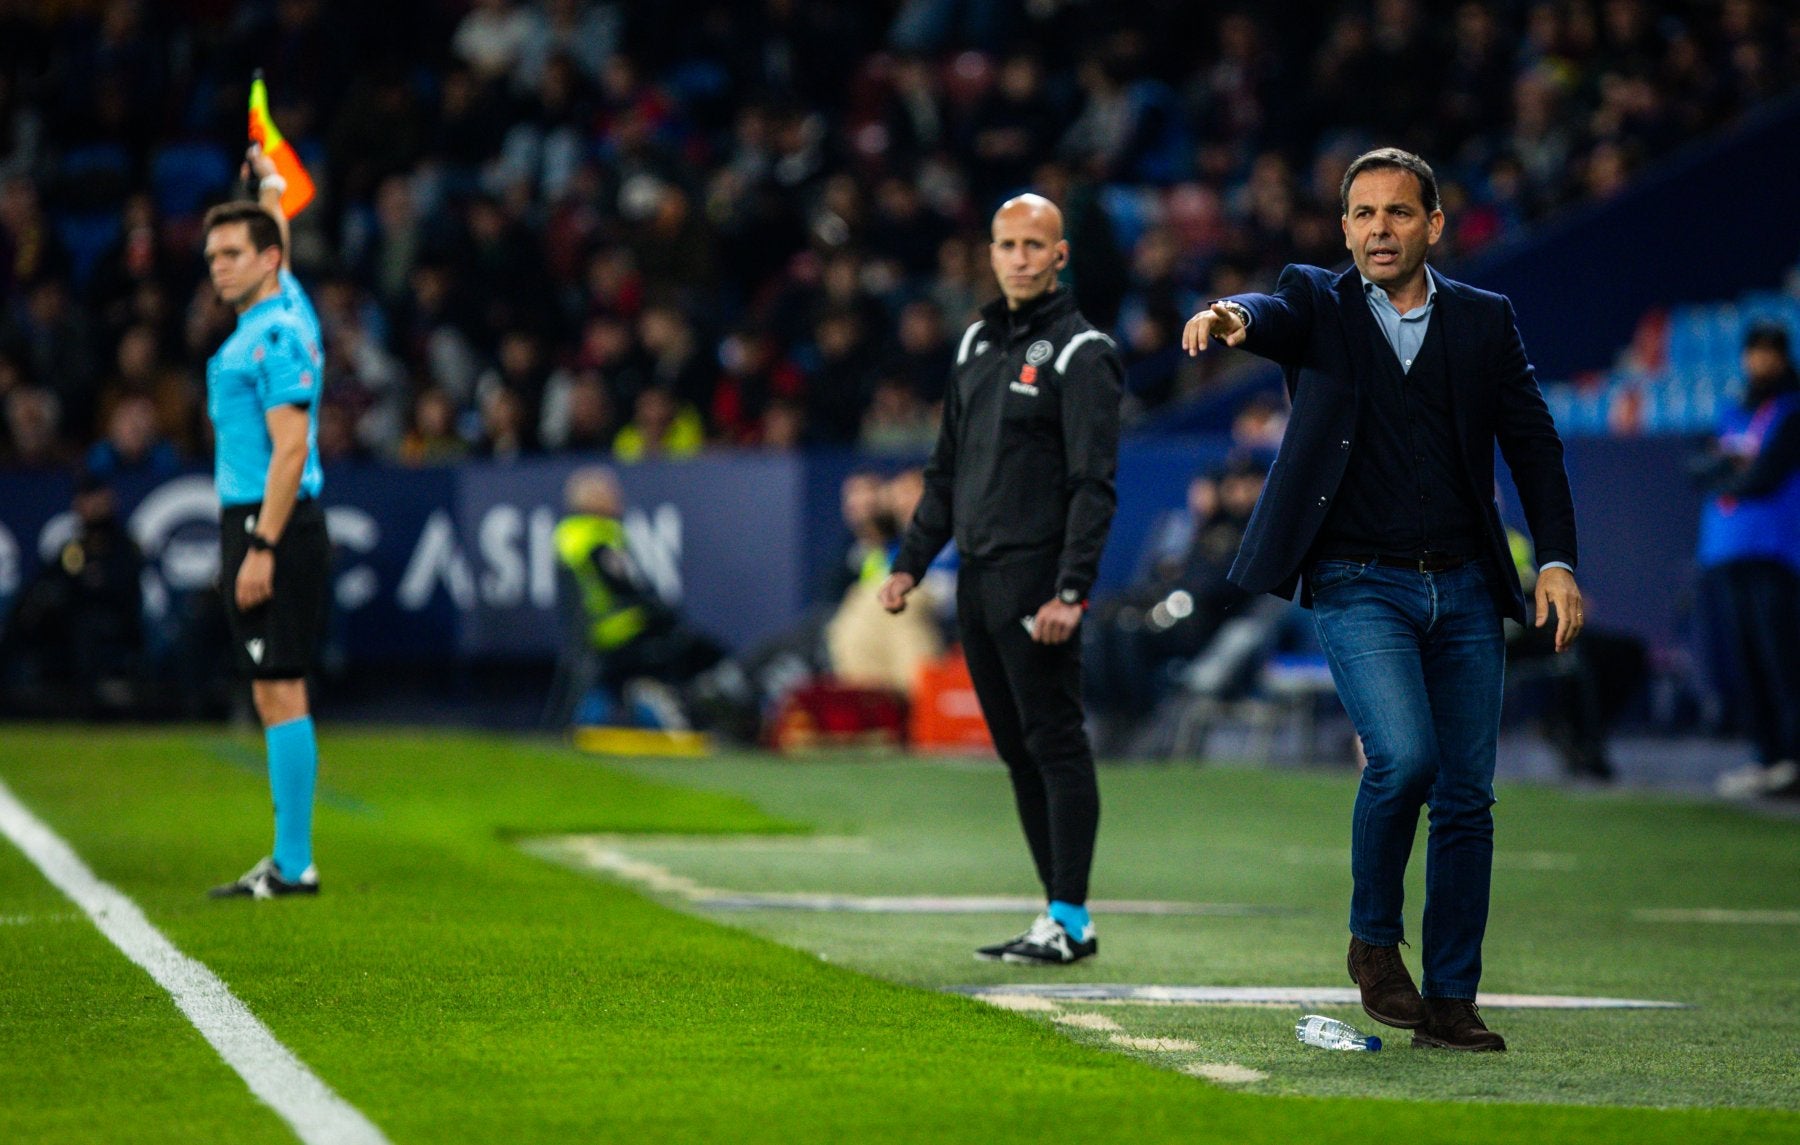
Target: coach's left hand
point(1557, 587)
point(1055, 622)
point(255, 579)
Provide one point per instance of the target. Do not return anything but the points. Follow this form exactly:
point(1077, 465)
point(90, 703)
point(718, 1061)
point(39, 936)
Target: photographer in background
point(72, 643)
point(1750, 554)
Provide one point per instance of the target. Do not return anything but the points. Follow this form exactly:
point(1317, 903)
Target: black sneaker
point(997, 951)
point(264, 881)
point(1048, 944)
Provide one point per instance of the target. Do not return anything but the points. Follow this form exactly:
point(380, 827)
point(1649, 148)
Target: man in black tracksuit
point(1022, 477)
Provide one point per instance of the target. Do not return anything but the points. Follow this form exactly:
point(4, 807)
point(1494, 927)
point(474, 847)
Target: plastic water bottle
point(1331, 1034)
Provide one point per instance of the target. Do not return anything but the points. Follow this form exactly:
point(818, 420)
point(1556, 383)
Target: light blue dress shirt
point(1404, 332)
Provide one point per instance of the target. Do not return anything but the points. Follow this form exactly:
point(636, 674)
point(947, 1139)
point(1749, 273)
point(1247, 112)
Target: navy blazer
point(1318, 327)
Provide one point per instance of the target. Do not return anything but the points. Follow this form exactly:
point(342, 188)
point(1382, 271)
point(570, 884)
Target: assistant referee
point(1022, 477)
point(263, 390)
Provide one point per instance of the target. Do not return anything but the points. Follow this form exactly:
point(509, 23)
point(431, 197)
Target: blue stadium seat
point(1133, 210)
point(186, 175)
point(91, 178)
point(95, 161)
point(87, 235)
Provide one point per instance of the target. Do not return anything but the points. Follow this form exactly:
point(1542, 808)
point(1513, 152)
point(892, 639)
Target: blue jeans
point(1419, 661)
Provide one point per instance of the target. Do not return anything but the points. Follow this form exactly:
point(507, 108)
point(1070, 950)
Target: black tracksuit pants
point(1030, 694)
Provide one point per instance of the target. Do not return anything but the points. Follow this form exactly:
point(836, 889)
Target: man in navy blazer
point(1380, 510)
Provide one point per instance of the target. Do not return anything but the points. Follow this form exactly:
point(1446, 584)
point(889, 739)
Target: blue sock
point(1074, 918)
point(293, 768)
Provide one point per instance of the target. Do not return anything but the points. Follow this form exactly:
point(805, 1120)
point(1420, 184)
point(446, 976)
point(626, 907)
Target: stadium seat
point(1261, 675)
point(92, 178)
point(87, 235)
point(1132, 210)
point(186, 175)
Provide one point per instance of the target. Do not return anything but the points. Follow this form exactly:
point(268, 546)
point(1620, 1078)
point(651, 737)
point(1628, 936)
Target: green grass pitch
point(455, 987)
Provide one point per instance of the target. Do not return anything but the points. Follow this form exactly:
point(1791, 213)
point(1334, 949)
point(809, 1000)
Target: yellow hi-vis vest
point(610, 625)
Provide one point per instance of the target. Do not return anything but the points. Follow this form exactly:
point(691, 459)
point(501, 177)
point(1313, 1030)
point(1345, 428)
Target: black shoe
point(264, 881)
point(997, 951)
point(1048, 944)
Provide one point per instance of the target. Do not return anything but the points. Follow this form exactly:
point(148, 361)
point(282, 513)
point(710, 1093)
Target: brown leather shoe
point(1388, 993)
point(1455, 1024)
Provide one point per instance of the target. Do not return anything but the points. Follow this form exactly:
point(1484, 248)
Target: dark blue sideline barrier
point(457, 562)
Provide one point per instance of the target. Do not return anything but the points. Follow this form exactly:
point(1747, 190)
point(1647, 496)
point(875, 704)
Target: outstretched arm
point(1277, 325)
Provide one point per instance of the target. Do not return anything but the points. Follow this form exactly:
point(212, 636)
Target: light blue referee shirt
point(273, 358)
point(1404, 332)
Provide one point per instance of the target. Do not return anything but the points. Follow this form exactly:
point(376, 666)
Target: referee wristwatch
point(1069, 595)
point(259, 543)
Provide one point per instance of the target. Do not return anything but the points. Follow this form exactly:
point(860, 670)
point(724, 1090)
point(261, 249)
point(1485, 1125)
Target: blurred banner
point(457, 561)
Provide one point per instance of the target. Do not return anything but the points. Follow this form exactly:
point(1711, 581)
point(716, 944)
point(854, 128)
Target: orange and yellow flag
point(266, 135)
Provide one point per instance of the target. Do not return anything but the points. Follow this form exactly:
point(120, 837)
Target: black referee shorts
point(279, 638)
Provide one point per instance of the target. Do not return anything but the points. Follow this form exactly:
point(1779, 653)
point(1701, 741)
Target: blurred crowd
point(649, 229)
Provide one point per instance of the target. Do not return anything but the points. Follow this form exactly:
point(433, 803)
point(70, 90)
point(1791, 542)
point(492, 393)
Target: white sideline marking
point(775, 844)
point(953, 904)
point(1160, 1045)
point(609, 854)
point(1020, 1003)
point(1280, 996)
point(315, 1114)
point(1504, 860)
point(1742, 917)
point(1227, 1073)
point(1089, 1022)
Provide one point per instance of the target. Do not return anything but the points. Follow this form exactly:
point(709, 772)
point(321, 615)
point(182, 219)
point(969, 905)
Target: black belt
point(1425, 562)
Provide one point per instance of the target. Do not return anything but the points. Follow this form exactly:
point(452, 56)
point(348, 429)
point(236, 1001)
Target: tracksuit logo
point(1035, 355)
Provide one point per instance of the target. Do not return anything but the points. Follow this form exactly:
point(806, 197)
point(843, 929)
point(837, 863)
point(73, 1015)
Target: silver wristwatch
point(1238, 310)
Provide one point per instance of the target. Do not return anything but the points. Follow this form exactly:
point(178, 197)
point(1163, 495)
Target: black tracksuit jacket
point(1024, 462)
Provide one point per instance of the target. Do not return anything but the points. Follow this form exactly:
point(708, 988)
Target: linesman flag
point(265, 134)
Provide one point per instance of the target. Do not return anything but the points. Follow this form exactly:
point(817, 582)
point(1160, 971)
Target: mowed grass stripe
point(456, 989)
point(308, 1106)
point(90, 1049)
